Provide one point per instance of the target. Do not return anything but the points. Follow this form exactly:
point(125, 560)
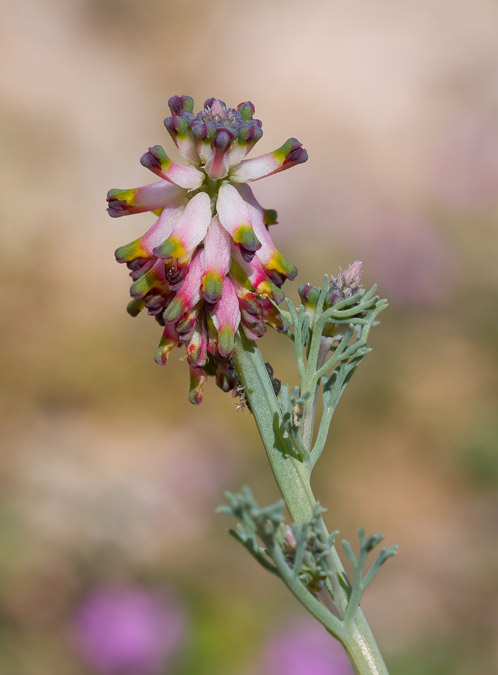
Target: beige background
point(106, 470)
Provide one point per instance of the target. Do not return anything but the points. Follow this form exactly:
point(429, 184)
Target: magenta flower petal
point(257, 276)
point(276, 266)
point(180, 132)
point(143, 246)
point(234, 216)
point(145, 198)
point(226, 317)
point(159, 163)
point(164, 225)
point(215, 257)
point(189, 230)
point(189, 293)
point(289, 154)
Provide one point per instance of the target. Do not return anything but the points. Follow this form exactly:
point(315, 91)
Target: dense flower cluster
point(208, 264)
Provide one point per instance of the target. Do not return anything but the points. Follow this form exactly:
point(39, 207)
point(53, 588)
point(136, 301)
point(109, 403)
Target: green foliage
point(326, 360)
point(306, 549)
point(255, 522)
point(478, 456)
point(361, 580)
point(302, 556)
point(330, 332)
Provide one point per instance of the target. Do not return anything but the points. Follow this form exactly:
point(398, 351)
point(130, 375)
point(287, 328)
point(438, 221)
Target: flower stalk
point(293, 480)
point(209, 273)
point(325, 362)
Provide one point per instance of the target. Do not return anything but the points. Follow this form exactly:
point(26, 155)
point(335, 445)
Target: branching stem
point(293, 480)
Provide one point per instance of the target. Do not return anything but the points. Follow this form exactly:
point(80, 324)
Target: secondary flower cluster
point(344, 285)
point(208, 264)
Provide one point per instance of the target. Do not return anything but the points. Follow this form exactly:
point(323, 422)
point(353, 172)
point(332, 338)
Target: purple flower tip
point(152, 158)
point(120, 631)
point(223, 138)
point(177, 104)
point(346, 283)
point(117, 208)
point(305, 649)
point(297, 155)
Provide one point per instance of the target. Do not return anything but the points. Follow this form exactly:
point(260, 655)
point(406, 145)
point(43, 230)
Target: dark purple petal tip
point(223, 138)
point(249, 134)
point(203, 131)
point(118, 208)
point(177, 104)
point(176, 125)
point(153, 158)
point(297, 155)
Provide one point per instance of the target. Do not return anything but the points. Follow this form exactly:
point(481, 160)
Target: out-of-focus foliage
point(108, 477)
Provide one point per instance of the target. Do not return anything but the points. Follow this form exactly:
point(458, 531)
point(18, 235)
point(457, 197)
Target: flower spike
point(208, 266)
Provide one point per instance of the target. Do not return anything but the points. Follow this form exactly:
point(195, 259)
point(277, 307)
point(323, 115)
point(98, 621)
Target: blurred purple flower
point(465, 169)
point(410, 259)
point(129, 631)
point(304, 649)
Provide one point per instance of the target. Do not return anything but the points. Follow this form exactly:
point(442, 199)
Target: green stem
point(293, 480)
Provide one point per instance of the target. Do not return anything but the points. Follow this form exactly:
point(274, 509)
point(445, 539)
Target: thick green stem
point(293, 480)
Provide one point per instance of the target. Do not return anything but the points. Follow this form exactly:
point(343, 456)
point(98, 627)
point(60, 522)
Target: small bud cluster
point(303, 553)
point(344, 285)
point(313, 549)
point(218, 137)
point(304, 550)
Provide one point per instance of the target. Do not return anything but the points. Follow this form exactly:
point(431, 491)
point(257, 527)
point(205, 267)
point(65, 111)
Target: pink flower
point(304, 649)
point(208, 266)
point(125, 630)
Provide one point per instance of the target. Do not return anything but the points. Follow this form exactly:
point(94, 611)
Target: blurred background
point(112, 560)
